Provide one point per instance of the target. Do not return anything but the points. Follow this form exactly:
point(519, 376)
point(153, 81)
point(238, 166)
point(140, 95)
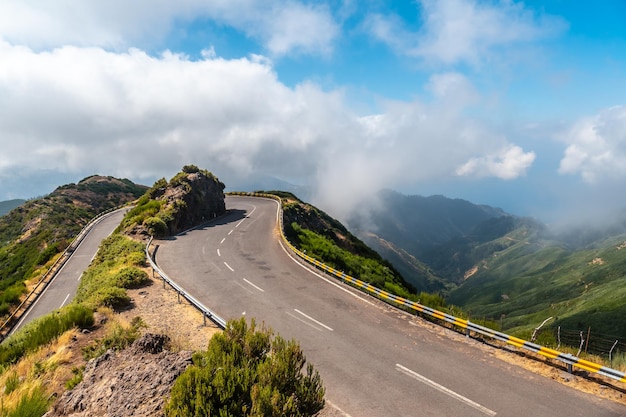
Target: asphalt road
point(63, 287)
point(374, 360)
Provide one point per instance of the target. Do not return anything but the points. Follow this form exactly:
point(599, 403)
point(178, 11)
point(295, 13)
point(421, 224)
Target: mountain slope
point(406, 229)
point(505, 268)
point(36, 231)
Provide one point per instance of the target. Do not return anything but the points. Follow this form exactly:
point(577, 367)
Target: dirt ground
point(162, 310)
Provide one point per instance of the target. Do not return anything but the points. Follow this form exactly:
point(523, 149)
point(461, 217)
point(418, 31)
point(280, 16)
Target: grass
point(32, 404)
point(117, 337)
point(44, 330)
point(115, 268)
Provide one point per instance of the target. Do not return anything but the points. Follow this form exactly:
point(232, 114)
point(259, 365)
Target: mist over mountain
point(407, 230)
point(504, 267)
point(7, 206)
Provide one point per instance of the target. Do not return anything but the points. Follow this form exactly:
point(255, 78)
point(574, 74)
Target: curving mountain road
point(63, 287)
point(374, 360)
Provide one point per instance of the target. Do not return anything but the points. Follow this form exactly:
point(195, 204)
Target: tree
point(245, 372)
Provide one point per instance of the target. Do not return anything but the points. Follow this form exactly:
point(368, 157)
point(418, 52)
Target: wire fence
point(590, 342)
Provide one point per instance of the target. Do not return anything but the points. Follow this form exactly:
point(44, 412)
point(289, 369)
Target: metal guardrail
point(7, 326)
point(569, 359)
point(206, 312)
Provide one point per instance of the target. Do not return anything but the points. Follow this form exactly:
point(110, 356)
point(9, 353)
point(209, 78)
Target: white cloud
point(464, 31)
point(507, 163)
point(87, 110)
point(597, 146)
point(283, 27)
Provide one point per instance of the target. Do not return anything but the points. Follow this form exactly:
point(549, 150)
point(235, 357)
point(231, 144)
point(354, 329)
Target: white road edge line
point(445, 390)
point(337, 408)
point(80, 276)
point(228, 266)
point(257, 287)
point(63, 303)
point(305, 267)
point(232, 230)
point(222, 241)
point(218, 252)
point(313, 320)
point(311, 325)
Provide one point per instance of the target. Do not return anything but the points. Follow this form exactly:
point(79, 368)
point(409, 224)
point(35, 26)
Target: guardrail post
point(178, 297)
point(204, 318)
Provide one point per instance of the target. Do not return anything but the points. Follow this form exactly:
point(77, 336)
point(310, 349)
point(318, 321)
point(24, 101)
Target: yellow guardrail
point(568, 359)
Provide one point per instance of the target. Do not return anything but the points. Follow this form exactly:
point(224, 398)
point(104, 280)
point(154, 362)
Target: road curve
point(63, 287)
point(375, 361)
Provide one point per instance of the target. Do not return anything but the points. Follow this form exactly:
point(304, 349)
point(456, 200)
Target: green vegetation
point(33, 404)
point(160, 216)
point(114, 269)
point(117, 338)
point(366, 269)
point(43, 330)
point(32, 235)
point(77, 377)
point(532, 280)
point(247, 372)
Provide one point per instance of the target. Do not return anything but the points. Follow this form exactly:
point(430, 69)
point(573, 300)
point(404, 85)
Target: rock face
point(134, 382)
point(193, 198)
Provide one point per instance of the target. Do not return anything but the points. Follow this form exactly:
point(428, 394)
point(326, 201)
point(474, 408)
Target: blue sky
point(520, 105)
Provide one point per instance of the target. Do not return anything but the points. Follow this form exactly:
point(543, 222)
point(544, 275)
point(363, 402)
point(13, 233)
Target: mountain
point(511, 269)
point(7, 206)
point(33, 233)
point(407, 229)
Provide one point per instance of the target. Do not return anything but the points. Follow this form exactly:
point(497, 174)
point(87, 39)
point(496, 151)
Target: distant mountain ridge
point(406, 229)
point(8, 205)
point(504, 267)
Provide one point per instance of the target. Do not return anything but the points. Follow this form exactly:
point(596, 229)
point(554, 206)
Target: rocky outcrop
point(132, 383)
point(192, 199)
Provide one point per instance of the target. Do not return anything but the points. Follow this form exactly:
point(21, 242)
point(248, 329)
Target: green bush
point(114, 297)
point(130, 277)
point(156, 226)
point(245, 372)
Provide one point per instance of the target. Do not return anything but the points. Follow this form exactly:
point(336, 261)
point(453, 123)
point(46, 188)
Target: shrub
point(130, 277)
point(156, 226)
point(107, 296)
point(190, 169)
point(117, 338)
point(77, 377)
point(245, 372)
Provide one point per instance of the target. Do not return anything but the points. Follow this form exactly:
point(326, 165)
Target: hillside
point(327, 240)
point(51, 363)
point(7, 206)
point(406, 229)
point(36, 231)
point(509, 269)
